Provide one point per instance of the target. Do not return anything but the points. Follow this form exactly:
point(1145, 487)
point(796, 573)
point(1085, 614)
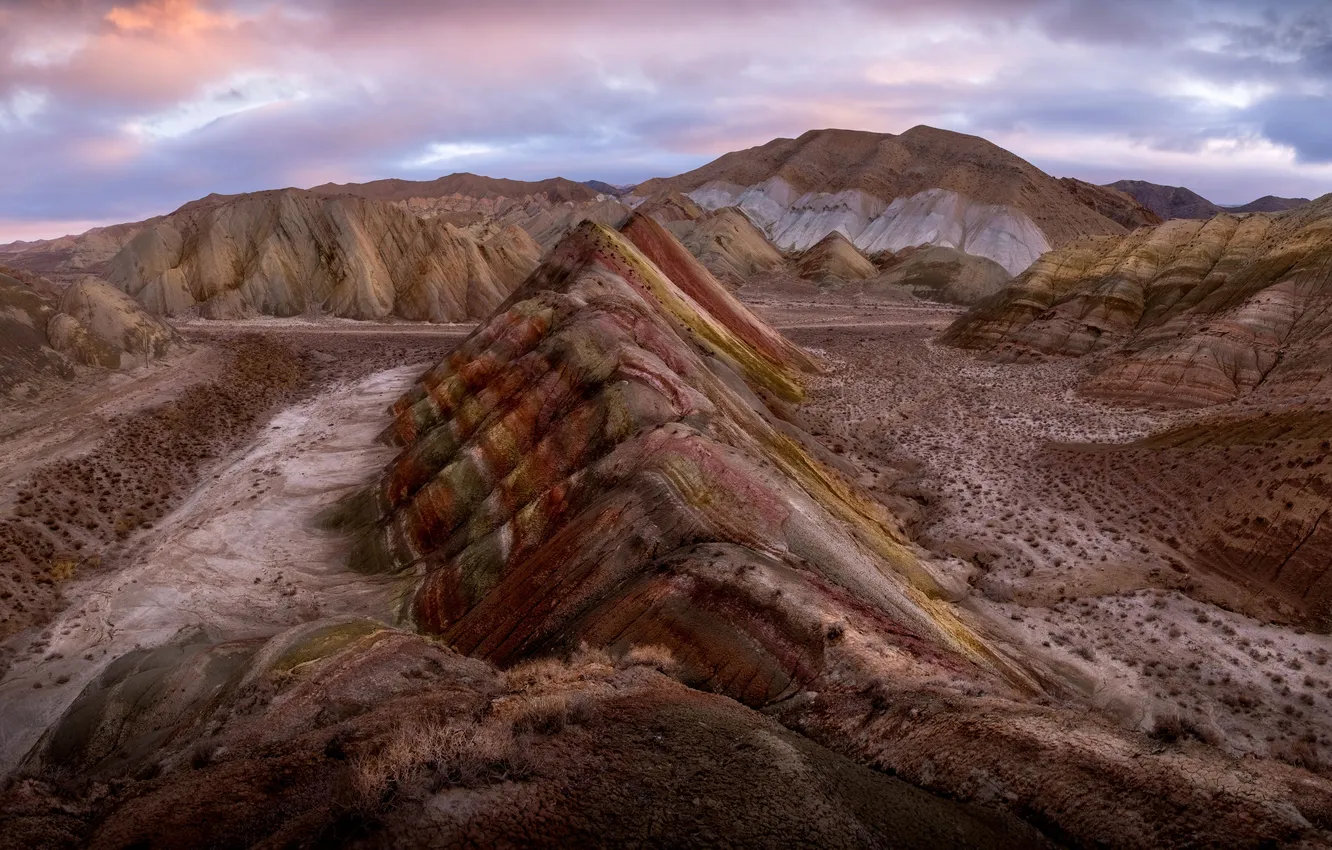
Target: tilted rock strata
point(289, 252)
point(885, 192)
point(597, 463)
point(729, 245)
point(1196, 312)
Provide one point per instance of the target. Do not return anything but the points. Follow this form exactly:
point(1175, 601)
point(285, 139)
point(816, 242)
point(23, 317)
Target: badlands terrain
point(853, 490)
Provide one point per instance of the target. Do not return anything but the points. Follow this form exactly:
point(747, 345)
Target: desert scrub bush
point(427, 757)
point(548, 714)
point(655, 656)
point(1172, 726)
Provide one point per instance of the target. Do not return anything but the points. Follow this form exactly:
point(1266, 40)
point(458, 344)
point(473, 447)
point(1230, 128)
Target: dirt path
point(241, 556)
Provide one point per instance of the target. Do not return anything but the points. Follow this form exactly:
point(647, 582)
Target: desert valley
point(979, 500)
point(856, 489)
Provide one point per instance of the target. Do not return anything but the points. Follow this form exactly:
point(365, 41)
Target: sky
point(116, 111)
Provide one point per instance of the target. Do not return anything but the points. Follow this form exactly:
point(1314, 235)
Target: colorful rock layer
point(1201, 312)
point(606, 460)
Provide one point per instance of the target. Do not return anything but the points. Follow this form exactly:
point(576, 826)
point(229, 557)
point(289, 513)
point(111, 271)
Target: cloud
point(126, 109)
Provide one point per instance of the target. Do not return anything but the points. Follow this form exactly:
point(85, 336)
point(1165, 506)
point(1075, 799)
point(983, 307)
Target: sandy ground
point(241, 556)
point(951, 442)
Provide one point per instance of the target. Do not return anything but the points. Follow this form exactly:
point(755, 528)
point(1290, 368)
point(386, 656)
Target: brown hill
point(940, 274)
point(1115, 205)
point(1269, 204)
point(1178, 202)
point(1168, 201)
point(834, 258)
point(888, 192)
point(555, 190)
point(289, 252)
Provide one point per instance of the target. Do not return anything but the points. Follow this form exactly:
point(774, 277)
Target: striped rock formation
point(1195, 312)
point(606, 460)
point(290, 252)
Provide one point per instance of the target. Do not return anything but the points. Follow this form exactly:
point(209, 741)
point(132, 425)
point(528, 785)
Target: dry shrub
point(536, 673)
point(1171, 726)
point(652, 655)
point(548, 714)
point(424, 757)
point(1301, 753)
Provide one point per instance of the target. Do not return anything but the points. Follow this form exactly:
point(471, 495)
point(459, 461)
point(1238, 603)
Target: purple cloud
point(119, 110)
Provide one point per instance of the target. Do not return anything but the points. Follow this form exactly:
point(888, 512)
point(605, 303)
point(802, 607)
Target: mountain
point(1167, 201)
point(555, 189)
point(607, 188)
point(1197, 312)
point(887, 192)
point(1269, 204)
point(1178, 202)
point(289, 252)
point(1116, 205)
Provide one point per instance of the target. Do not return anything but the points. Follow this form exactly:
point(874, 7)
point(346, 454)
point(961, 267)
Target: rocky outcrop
point(26, 354)
point(834, 258)
point(940, 274)
point(885, 192)
point(99, 325)
point(1194, 312)
point(289, 252)
point(44, 333)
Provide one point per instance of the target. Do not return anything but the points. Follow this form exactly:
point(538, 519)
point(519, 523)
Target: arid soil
point(180, 487)
point(972, 454)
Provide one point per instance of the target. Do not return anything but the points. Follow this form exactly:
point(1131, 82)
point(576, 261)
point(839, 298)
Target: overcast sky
point(118, 111)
